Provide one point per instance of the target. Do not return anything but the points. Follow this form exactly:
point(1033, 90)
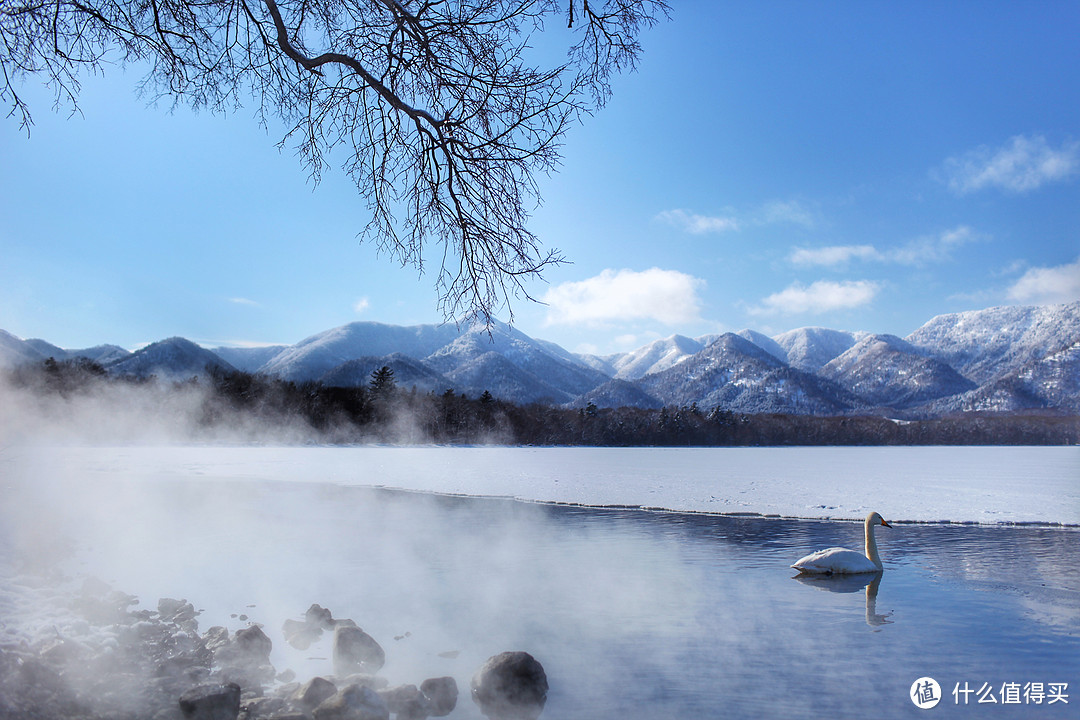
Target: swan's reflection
point(851, 584)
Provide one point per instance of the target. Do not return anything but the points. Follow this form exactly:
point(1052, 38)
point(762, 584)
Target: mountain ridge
point(1003, 359)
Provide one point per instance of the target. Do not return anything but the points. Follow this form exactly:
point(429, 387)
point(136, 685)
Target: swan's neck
point(871, 545)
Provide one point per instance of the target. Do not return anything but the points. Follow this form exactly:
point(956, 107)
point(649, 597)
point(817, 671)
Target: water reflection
point(851, 584)
point(634, 614)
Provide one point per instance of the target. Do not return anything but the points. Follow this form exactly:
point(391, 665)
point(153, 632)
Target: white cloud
point(934, 248)
point(785, 211)
point(1021, 165)
point(243, 301)
point(1048, 285)
point(361, 305)
point(667, 296)
point(821, 296)
point(834, 255)
point(697, 224)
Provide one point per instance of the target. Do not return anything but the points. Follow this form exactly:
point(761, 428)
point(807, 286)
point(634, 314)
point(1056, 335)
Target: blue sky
point(771, 165)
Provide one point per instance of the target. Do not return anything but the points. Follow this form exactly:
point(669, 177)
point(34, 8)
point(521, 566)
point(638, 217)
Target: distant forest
point(245, 407)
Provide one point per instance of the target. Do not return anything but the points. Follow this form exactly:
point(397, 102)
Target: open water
point(633, 614)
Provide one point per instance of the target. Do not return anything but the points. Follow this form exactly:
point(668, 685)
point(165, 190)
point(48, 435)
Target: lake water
point(633, 614)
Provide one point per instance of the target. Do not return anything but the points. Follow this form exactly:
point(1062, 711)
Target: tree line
point(384, 411)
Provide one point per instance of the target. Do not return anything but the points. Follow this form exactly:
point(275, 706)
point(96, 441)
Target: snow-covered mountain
point(317, 355)
point(735, 374)
point(248, 359)
point(16, 351)
point(999, 359)
point(172, 359)
point(885, 371)
point(103, 354)
point(470, 359)
point(983, 345)
point(617, 393)
point(541, 373)
point(408, 373)
point(1049, 382)
point(655, 357)
point(764, 342)
point(811, 348)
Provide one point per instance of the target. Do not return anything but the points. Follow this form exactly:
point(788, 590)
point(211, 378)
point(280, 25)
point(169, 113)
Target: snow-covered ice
point(984, 485)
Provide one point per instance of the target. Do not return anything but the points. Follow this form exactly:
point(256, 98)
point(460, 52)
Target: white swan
point(841, 561)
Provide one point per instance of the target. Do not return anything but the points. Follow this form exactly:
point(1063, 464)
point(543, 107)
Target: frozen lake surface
point(633, 613)
point(985, 485)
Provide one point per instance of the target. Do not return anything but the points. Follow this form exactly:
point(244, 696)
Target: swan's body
point(841, 561)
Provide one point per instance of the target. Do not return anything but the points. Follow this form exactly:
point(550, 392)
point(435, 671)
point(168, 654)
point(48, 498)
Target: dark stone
point(370, 681)
point(356, 651)
point(216, 638)
point(406, 701)
point(213, 701)
point(510, 686)
point(245, 659)
point(355, 702)
point(263, 706)
point(176, 611)
point(320, 617)
point(300, 634)
point(442, 695)
point(313, 692)
point(254, 644)
point(31, 688)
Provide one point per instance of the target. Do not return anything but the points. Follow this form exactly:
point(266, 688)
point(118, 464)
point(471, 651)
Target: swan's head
point(876, 519)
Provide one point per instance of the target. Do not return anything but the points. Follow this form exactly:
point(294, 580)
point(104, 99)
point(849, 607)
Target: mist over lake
point(633, 613)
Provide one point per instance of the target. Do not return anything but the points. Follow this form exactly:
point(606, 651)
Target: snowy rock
point(356, 652)
point(264, 707)
point(406, 702)
point(312, 693)
point(317, 618)
point(212, 701)
point(369, 681)
point(216, 638)
point(511, 686)
point(300, 634)
point(355, 702)
point(254, 644)
point(441, 694)
point(320, 617)
point(245, 659)
point(176, 611)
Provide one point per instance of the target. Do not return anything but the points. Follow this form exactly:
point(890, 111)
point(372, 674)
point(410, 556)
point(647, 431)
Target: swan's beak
point(885, 523)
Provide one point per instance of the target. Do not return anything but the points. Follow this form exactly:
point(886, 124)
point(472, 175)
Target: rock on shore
point(155, 665)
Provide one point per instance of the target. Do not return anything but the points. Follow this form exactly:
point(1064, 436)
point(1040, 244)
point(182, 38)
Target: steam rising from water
point(98, 411)
point(150, 413)
point(441, 583)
